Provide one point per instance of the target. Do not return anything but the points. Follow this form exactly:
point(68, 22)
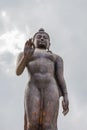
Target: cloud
point(12, 41)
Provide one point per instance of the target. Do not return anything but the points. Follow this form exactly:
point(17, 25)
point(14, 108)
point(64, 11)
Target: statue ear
point(48, 46)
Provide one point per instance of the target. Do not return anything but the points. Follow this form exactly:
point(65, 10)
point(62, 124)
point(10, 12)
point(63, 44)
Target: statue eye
point(38, 36)
point(45, 37)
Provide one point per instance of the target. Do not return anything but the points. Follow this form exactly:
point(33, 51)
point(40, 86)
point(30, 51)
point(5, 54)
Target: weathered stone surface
point(46, 84)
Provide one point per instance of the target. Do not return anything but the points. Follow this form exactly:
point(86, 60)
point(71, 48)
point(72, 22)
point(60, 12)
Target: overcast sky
point(66, 23)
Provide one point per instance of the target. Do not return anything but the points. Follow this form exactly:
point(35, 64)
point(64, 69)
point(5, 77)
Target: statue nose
point(42, 39)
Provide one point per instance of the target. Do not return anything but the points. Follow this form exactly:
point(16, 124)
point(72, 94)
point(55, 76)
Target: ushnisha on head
point(41, 39)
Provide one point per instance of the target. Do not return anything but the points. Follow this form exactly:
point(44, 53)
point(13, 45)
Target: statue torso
point(41, 65)
point(41, 62)
point(41, 68)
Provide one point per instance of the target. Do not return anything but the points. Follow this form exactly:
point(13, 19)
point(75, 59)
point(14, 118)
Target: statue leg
point(32, 107)
point(51, 107)
point(25, 121)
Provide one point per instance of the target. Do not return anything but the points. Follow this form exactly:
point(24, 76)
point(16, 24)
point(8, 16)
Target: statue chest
point(41, 62)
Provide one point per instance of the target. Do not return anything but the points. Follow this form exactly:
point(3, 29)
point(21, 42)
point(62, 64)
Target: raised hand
point(29, 48)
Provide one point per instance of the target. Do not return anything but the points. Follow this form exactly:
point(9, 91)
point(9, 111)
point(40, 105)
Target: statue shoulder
point(58, 58)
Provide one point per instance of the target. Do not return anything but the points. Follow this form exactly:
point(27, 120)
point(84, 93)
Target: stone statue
point(45, 86)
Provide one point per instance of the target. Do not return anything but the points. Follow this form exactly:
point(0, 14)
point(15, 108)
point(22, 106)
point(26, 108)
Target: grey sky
point(66, 23)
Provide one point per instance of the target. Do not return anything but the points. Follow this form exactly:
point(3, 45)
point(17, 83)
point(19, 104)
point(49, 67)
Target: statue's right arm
point(24, 57)
point(21, 63)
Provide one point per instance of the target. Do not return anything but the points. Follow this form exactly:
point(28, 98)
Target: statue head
point(41, 39)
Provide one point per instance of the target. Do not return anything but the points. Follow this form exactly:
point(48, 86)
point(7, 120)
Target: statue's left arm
point(61, 82)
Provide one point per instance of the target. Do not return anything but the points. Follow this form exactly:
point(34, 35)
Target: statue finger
point(30, 42)
point(26, 43)
point(65, 111)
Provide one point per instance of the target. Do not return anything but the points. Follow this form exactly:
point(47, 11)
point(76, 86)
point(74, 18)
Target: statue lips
point(42, 44)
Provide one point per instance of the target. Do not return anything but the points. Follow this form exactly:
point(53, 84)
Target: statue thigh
point(51, 107)
point(32, 105)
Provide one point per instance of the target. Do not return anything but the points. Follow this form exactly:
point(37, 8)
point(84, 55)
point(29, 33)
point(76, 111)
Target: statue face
point(42, 40)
